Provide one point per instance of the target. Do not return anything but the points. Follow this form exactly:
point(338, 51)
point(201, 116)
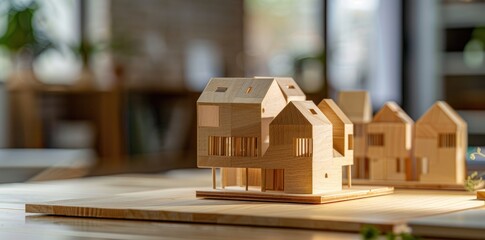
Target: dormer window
point(249, 90)
point(313, 111)
point(290, 86)
point(221, 89)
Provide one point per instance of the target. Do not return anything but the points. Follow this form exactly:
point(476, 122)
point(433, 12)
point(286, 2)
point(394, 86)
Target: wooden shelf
point(107, 111)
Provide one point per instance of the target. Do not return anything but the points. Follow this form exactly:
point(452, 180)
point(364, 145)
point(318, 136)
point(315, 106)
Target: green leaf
point(21, 33)
point(370, 233)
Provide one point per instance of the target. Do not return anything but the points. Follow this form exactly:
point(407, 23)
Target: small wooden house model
point(441, 141)
point(301, 148)
point(389, 138)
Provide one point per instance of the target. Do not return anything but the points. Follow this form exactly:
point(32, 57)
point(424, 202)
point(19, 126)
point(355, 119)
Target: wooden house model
point(233, 121)
point(389, 140)
point(441, 141)
point(357, 107)
point(263, 136)
point(301, 148)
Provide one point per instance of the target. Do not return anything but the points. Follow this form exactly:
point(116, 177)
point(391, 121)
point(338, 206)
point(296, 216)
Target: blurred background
point(95, 87)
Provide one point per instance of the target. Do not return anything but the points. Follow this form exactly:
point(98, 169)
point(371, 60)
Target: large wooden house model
point(261, 135)
point(233, 121)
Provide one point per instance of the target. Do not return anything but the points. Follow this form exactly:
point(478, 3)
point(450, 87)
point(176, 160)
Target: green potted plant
point(24, 42)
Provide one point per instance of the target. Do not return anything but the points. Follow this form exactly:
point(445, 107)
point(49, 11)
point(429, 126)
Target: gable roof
point(441, 113)
point(391, 112)
point(341, 125)
point(237, 90)
point(334, 112)
point(301, 112)
point(356, 105)
point(289, 88)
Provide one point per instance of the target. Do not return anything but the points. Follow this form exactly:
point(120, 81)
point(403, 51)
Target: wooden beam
point(213, 178)
point(263, 180)
point(349, 176)
point(223, 178)
point(247, 178)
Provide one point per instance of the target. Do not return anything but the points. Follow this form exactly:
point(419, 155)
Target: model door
point(275, 179)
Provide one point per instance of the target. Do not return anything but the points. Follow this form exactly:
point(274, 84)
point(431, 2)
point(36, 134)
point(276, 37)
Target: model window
point(233, 146)
point(376, 139)
point(303, 147)
point(351, 141)
point(221, 89)
point(447, 140)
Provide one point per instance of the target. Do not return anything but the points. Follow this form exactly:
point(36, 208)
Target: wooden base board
point(407, 184)
point(384, 212)
point(238, 193)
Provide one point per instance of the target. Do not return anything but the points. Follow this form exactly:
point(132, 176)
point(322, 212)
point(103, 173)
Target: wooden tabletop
point(16, 224)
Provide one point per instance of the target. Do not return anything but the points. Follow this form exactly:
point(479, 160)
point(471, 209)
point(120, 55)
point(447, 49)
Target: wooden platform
point(238, 193)
point(180, 205)
point(407, 184)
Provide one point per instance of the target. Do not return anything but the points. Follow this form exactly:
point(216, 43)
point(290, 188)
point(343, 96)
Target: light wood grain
point(275, 196)
point(408, 184)
point(16, 224)
point(385, 212)
point(56, 227)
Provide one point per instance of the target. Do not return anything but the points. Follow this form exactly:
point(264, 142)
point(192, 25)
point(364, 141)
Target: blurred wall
point(158, 37)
